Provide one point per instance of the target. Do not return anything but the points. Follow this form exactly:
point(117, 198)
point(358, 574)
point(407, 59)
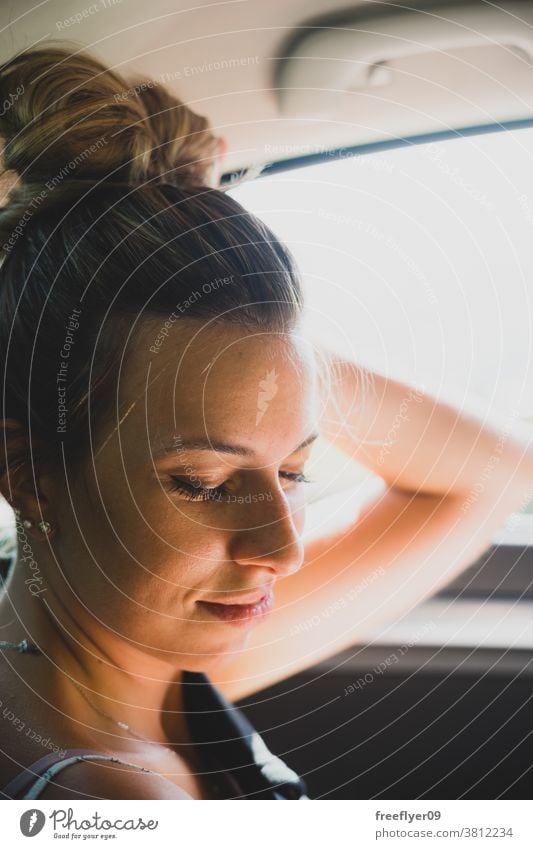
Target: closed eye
point(192, 492)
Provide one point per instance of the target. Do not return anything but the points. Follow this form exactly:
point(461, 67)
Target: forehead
point(222, 382)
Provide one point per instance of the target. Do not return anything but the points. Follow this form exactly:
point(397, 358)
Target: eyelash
point(198, 493)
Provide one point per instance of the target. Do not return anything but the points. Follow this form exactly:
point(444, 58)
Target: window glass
point(417, 261)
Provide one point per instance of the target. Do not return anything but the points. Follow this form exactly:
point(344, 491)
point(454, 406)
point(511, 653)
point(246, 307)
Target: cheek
point(175, 551)
point(141, 517)
point(137, 545)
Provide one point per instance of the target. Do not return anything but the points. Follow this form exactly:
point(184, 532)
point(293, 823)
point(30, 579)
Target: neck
point(128, 684)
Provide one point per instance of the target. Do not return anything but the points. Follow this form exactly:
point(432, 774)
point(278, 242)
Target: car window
point(418, 259)
point(417, 262)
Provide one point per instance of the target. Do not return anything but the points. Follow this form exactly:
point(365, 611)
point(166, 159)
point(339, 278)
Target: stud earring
point(26, 523)
point(45, 527)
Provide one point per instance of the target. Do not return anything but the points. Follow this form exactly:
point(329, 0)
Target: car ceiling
point(223, 59)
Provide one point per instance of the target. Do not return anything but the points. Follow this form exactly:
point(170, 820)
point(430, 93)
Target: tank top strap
point(41, 771)
point(226, 741)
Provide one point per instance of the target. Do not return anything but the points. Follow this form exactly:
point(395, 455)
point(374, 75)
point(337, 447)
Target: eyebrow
point(221, 447)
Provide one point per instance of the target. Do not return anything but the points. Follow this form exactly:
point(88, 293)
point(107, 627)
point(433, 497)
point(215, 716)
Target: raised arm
point(451, 474)
point(418, 442)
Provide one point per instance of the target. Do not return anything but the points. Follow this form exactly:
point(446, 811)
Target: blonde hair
point(67, 111)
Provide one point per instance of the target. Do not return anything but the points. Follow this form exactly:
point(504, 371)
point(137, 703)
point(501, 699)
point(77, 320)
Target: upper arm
point(402, 548)
point(108, 780)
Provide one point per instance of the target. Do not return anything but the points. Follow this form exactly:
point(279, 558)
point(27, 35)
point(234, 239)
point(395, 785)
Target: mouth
point(240, 613)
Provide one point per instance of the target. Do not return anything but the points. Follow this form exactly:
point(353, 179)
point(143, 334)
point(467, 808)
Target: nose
point(270, 538)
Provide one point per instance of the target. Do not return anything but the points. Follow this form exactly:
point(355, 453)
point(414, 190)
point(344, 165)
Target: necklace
point(31, 648)
point(23, 646)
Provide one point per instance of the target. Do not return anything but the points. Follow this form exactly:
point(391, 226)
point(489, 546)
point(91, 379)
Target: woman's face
point(196, 496)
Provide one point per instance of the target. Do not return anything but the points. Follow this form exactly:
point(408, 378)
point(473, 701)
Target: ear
point(23, 483)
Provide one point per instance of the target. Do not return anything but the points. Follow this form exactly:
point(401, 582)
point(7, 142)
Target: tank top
point(239, 764)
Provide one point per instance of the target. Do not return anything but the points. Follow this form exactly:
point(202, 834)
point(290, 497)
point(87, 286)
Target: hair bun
point(66, 116)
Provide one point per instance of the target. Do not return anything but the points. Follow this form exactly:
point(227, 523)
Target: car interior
point(390, 145)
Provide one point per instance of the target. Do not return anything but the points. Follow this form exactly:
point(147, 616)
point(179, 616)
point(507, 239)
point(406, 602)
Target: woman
point(159, 405)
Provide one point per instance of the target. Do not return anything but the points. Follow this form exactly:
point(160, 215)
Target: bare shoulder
point(110, 780)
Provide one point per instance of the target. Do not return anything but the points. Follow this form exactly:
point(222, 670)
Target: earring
point(45, 527)
point(26, 523)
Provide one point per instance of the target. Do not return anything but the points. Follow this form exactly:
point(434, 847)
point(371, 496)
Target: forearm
point(417, 442)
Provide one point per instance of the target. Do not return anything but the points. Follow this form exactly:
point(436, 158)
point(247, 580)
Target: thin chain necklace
point(31, 648)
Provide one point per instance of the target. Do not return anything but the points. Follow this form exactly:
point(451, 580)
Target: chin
point(210, 659)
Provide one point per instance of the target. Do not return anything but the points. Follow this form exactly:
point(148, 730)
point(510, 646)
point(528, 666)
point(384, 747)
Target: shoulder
point(106, 779)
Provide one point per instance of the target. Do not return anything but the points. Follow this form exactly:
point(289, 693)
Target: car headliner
point(222, 57)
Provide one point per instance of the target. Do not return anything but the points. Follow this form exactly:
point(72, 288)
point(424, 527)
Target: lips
point(240, 614)
point(240, 598)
